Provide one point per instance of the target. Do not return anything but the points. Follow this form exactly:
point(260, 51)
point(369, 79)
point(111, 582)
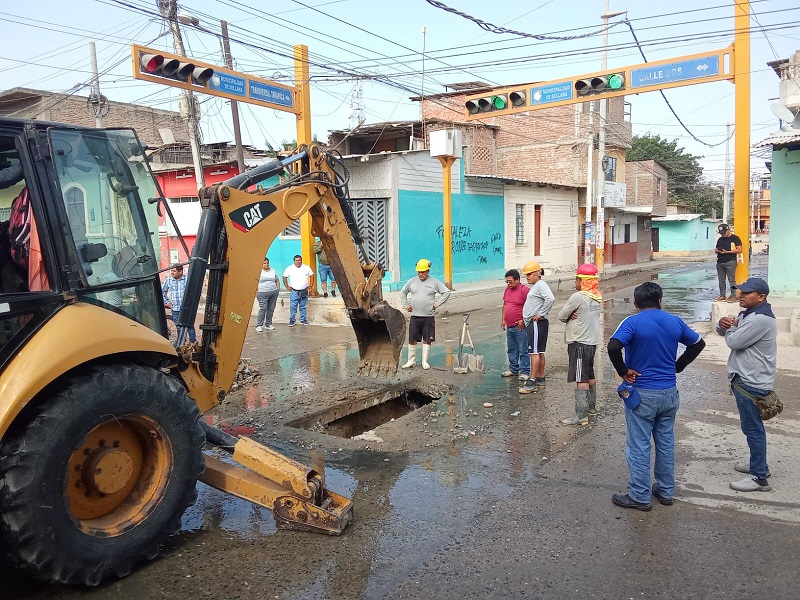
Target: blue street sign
point(230, 84)
point(551, 93)
point(270, 93)
point(695, 68)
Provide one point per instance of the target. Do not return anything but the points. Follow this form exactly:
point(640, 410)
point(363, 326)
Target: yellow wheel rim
point(117, 474)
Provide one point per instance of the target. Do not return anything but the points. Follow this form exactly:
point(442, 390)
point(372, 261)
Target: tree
point(685, 183)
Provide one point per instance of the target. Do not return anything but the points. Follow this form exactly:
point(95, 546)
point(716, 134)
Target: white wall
point(559, 230)
point(620, 220)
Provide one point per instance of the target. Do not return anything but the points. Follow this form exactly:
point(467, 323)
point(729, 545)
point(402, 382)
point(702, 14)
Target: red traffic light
point(151, 63)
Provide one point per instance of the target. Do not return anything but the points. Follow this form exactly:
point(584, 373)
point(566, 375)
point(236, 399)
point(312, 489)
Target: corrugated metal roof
point(526, 181)
point(784, 137)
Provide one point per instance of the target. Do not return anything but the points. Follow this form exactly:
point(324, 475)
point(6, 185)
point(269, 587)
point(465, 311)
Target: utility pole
point(600, 235)
point(237, 132)
point(98, 102)
point(726, 188)
point(588, 238)
point(169, 10)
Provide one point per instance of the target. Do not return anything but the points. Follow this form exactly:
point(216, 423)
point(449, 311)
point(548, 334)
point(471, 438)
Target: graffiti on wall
point(462, 241)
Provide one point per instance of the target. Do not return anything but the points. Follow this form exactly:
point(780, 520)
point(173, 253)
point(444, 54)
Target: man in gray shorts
point(581, 313)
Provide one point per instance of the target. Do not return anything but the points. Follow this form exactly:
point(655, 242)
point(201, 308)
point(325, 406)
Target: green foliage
point(685, 183)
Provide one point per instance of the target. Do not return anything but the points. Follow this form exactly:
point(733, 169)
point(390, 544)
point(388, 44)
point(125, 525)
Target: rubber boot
point(581, 409)
point(426, 348)
point(412, 356)
point(592, 399)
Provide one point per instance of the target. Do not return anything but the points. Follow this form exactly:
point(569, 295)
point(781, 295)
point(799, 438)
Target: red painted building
point(180, 188)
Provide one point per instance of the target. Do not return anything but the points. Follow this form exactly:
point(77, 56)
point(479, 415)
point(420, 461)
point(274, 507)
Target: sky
point(396, 50)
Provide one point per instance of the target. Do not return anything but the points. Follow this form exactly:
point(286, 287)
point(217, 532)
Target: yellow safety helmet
point(423, 264)
point(530, 267)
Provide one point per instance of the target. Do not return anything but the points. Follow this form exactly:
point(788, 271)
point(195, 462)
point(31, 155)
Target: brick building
point(153, 126)
point(646, 197)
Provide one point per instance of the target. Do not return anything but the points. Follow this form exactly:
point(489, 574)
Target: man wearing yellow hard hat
point(418, 296)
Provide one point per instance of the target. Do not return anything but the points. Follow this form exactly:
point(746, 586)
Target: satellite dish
point(782, 112)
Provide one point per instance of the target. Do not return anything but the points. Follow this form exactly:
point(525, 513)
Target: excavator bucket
point(380, 334)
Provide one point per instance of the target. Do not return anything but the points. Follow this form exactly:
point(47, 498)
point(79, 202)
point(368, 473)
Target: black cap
point(723, 227)
point(754, 284)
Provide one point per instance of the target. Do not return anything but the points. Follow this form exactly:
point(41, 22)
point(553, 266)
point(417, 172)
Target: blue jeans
point(298, 298)
point(266, 307)
point(752, 428)
point(325, 274)
point(519, 361)
point(192, 334)
point(654, 417)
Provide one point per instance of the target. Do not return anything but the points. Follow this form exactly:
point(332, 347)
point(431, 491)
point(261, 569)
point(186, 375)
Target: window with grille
point(292, 230)
point(520, 225)
point(610, 164)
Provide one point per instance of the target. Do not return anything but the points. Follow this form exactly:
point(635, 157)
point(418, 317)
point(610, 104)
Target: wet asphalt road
point(460, 501)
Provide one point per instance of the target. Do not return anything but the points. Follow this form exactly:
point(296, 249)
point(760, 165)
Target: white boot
point(412, 356)
point(426, 348)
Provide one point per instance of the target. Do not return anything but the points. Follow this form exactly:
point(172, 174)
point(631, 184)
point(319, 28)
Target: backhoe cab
point(101, 436)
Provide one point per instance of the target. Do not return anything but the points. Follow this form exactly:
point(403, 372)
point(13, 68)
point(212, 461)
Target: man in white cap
point(418, 296)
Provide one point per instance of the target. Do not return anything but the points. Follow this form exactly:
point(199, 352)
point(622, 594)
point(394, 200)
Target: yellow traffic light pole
point(301, 80)
point(741, 168)
point(447, 218)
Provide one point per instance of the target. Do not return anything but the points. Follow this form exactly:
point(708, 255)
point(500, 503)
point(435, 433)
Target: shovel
point(465, 363)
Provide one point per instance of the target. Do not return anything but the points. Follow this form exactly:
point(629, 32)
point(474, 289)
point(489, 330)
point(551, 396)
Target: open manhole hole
point(359, 415)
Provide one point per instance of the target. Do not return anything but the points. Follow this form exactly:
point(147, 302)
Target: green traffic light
point(499, 102)
point(615, 82)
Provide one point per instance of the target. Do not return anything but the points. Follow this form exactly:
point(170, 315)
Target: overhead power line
point(502, 30)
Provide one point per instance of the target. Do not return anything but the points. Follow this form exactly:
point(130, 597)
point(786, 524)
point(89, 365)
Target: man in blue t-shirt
point(650, 340)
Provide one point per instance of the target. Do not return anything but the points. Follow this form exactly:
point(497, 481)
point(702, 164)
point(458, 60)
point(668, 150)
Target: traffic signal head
point(487, 104)
point(599, 84)
point(518, 98)
point(174, 68)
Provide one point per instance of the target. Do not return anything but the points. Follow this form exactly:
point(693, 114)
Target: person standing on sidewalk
point(728, 249)
point(534, 312)
point(418, 296)
point(325, 272)
point(650, 340)
point(296, 278)
point(511, 321)
point(581, 313)
point(172, 289)
point(267, 296)
point(752, 338)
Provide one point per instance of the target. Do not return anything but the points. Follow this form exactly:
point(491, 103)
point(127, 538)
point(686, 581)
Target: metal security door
point(370, 214)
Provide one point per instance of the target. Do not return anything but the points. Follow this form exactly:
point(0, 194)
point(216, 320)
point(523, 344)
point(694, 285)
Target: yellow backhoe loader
point(101, 441)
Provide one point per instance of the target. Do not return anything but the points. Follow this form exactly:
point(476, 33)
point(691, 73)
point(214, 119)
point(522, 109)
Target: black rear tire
point(64, 525)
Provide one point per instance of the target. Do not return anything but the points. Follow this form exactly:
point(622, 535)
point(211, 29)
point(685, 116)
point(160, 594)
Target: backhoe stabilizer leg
point(330, 518)
point(295, 494)
point(291, 511)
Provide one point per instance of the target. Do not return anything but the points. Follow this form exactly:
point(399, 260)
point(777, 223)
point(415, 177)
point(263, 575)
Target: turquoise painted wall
point(478, 239)
point(784, 223)
point(692, 236)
